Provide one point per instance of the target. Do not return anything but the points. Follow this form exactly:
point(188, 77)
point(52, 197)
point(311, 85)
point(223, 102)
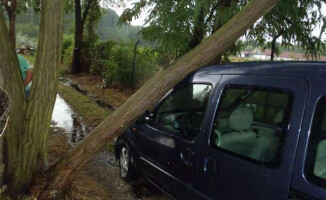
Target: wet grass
point(115, 95)
point(91, 113)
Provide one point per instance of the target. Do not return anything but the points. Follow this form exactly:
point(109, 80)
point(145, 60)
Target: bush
point(67, 48)
point(67, 42)
point(25, 40)
point(114, 62)
point(98, 56)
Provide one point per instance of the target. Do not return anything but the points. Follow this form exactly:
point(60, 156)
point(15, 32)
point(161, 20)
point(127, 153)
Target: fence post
point(134, 65)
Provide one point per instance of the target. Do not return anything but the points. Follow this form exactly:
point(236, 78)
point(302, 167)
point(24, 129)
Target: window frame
point(312, 145)
point(280, 153)
point(154, 111)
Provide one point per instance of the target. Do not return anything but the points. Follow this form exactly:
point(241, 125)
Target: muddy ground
point(100, 178)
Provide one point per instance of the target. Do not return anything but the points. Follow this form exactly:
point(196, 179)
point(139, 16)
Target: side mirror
point(145, 118)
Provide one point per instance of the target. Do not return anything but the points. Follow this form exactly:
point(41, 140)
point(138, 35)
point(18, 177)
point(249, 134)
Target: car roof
point(306, 70)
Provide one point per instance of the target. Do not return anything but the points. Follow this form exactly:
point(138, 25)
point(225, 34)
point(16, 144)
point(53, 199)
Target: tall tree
point(291, 21)
point(82, 9)
point(11, 8)
point(179, 26)
point(25, 147)
point(63, 172)
point(14, 7)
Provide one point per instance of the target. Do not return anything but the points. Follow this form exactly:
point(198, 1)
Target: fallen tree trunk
point(62, 174)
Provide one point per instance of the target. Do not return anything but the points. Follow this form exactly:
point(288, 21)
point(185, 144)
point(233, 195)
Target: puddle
point(64, 117)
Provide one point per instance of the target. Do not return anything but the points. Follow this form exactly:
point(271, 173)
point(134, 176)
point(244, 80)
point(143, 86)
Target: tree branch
point(8, 8)
point(86, 11)
point(209, 18)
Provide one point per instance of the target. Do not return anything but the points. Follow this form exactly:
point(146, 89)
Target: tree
point(179, 26)
point(82, 10)
point(14, 7)
point(61, 175)
point(11, 8)
point(293, 21)
point(25, 146)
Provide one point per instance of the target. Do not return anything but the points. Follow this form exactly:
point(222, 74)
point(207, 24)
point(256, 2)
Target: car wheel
point(127, 168)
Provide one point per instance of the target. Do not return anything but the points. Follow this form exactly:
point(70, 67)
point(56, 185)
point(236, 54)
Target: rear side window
point(316, 157)
point(251, 122)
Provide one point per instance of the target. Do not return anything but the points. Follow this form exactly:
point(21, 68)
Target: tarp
point(4, 109)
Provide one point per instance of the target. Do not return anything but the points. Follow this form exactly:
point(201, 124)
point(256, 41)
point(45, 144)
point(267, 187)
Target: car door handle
point(211, 166)
point(186, 156)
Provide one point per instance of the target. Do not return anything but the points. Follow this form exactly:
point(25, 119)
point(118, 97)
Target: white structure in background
point(260, 54)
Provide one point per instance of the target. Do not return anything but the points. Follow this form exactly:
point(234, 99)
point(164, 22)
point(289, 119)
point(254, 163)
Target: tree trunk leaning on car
point(62, 174)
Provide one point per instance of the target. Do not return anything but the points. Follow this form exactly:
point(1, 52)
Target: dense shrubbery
point(114, 61)
point(67, 48)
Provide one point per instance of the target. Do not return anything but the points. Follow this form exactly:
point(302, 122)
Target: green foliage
point(67, 41)
point(109, 30)
point(27, 24)
point(114, 62)
point(67, 48)
point(99, 56)
point(178, 26)
point(293, 21)
point(25, 40)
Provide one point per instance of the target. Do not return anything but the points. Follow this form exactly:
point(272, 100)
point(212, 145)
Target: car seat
point(320, 164)
point(241, 139)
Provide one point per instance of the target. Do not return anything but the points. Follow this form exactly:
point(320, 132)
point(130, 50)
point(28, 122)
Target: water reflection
point(64, 117)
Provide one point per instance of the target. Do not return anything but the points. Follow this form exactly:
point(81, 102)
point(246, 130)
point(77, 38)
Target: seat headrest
point(241, 119)
point(279, 117)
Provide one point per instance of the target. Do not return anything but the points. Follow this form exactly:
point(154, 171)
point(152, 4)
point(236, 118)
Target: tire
point(126, 164)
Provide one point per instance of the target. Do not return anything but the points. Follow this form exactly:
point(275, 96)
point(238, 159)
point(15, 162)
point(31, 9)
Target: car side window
point(315, 168)
point(251, 122)
point(182, 112)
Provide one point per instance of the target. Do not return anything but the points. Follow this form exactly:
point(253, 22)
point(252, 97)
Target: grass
point(115, 95)
point(91, 113)
point(30, 59)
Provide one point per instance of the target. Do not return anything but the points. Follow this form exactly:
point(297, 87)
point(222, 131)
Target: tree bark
point(274, 44)
point(12, 28)
point(13, 84)
point(26, 137)
point(218, 24)
point(76, 66)
point(79, 29)
point(11, 9)
point(61, 176)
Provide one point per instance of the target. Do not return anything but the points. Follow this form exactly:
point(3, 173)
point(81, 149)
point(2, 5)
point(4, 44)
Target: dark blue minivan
point(235, 131)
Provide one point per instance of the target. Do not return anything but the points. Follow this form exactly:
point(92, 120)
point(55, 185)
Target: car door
point(169, 140)
point(252, 137)
point(309, 175)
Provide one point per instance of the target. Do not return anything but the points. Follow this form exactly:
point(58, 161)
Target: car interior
point(249, 126)
point(182, 112)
